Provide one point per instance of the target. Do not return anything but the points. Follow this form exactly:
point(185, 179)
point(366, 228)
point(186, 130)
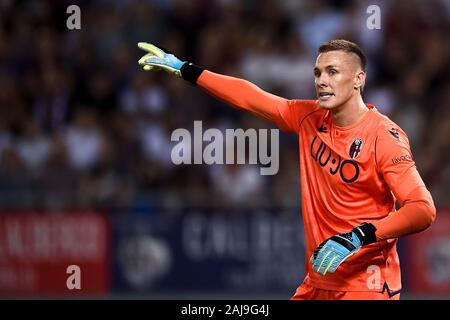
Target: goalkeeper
point(354, 164)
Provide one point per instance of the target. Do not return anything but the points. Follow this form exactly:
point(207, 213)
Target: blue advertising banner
point(209, 251)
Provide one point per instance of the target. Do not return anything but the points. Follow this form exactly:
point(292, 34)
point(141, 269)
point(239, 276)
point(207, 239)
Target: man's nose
point(321, 82)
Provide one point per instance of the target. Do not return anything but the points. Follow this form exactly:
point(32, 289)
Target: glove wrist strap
point(366, 233)
point(190, 72)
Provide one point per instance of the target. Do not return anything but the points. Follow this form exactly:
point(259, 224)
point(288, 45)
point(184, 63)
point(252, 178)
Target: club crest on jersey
point(355, 148)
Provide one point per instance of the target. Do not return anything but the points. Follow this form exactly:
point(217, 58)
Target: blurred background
point(85, 172)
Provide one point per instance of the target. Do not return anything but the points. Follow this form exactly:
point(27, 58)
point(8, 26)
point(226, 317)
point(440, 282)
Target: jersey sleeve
point(395, 161)
point(242, 94)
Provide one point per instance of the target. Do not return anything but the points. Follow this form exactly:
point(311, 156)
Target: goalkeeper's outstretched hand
point(156, 59)
point(332, 252)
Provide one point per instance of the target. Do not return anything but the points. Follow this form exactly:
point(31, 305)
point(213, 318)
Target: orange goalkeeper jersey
point(346, 178)
point(349, 175)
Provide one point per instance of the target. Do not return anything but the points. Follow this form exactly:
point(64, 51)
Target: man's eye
point(333, 71)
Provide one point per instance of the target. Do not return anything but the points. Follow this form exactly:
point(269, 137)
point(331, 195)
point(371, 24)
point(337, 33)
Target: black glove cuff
point(190, 72)
point(366, 233)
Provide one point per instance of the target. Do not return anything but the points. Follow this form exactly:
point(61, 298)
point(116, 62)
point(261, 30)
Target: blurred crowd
point(83, 126)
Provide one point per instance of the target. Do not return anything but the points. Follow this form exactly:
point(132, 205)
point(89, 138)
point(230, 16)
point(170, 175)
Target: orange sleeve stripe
point(417, 214)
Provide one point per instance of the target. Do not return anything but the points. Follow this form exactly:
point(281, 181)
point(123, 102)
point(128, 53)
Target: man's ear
point(360, 80)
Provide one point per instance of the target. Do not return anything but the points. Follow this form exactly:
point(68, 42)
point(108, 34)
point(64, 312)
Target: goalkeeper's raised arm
point(237, 92)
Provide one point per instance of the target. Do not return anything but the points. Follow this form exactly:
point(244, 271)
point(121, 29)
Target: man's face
point(336, 75)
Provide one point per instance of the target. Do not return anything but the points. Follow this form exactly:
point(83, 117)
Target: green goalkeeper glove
point(157, 59)
point(332, 252)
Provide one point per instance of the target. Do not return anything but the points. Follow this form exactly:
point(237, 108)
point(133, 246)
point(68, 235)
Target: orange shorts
point(307, 292)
